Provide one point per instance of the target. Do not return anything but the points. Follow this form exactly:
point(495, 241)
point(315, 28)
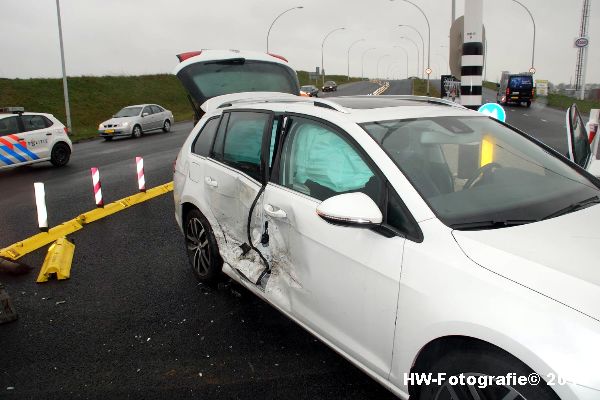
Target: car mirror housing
point(350, 209)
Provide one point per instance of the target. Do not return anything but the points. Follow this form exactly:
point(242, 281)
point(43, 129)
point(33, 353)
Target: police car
point(28, 138)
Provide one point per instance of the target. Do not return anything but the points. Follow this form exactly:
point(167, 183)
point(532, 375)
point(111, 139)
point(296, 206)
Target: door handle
point(211, 182)
point(48, 134)
point(274, 211)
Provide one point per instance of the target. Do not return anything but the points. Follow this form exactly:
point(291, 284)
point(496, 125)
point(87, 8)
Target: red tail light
point(593, 131)
point(507, 91)
point(66, 130)
point(184, 56)
point(278, 56)
point(532, 93)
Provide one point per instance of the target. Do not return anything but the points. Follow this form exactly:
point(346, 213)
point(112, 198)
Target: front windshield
point(474, 169)
point(128, 112)
point(306, 88)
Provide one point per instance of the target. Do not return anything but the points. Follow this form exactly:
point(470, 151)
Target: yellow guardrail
point(19, 249)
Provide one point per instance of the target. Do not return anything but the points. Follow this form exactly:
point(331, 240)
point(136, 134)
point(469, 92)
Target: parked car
point(330, 86)
point(515, 88)
point(411, 235)
point(134, 121)
point(310, 90)
point(30, 137)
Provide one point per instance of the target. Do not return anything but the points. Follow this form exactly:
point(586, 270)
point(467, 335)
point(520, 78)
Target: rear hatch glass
point(205, 80)
point(520, 82)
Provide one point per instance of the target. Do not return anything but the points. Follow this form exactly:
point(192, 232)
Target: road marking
point(543, 120)
point(19, 249)
point(525, 115)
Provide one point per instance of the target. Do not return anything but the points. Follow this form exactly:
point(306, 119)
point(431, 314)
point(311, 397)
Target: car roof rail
point(317, 103)
point(426, 99)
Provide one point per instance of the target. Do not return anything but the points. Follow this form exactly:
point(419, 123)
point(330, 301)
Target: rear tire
point(202, 249)
point(475, 362)
point(60, 154)
point(528, 104)
point(166, 126)
point(136, 132)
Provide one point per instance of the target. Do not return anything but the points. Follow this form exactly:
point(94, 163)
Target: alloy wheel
point(197, 245)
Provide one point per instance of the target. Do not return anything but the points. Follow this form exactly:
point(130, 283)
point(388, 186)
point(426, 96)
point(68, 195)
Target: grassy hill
point(95, 99)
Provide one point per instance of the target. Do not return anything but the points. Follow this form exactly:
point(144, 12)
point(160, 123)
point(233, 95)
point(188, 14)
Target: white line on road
point(543, 120)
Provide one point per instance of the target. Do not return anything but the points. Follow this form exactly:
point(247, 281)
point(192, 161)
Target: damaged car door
point(232, 180)
point(340, 281)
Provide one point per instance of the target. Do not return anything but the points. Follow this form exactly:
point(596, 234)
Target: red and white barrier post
point(97, 187)
point(139, 162)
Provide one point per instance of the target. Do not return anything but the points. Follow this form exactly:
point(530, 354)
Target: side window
point(33, 122)
point(155, 109)
point(47, 122)
point(147, 109)
point(317, 161)
point(273, 142)
point(217, 152)
point(205, 138)
point(9, 126)
point(243, 141)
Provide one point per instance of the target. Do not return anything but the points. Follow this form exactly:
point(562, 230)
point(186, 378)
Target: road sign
point(541, 87)
point(428, 71)
point(532, 70)
point(493, 110)
point(582, 42)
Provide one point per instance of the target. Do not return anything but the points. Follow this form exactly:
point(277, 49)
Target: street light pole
point(422, 44)
point(362, 69)
point(358, 41)
point(64, 71)
point(380, 58)
point(533, 21)
point(416, 47)
point(406, 54)
point(322, 51)
point(275, 20)
point(428, 39)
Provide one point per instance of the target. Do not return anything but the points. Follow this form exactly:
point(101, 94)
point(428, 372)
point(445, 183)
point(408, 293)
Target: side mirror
point(144, 114)
point(350, 209)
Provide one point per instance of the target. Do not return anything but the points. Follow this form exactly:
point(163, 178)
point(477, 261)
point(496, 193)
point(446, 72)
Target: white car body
point(29, 138)
point(385, 303)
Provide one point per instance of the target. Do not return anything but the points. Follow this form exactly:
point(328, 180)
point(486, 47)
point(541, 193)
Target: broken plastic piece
point(58, 261)
point(7, 311)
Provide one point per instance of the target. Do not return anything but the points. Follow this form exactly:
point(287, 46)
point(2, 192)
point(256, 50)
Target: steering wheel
point(481, 174)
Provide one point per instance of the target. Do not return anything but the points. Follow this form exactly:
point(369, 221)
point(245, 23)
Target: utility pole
point(64, 71)
point(581, 65)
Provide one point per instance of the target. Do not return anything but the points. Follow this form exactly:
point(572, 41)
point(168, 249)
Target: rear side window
point(205, 138)
point(48, 122)
point(155, 109)
point(243, 141)
point(33, 122)
point(147, 110)
point(8, 126)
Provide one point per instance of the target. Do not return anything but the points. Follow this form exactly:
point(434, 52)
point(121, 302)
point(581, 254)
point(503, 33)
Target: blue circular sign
point(493, 110)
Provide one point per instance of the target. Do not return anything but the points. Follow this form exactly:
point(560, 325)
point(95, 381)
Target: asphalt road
point(132, 322)
point(351, 89)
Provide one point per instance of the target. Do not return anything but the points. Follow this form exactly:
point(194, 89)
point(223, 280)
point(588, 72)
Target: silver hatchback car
point(136, 120)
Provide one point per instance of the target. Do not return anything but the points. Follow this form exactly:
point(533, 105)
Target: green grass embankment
point(95, 99)
point(420, 88)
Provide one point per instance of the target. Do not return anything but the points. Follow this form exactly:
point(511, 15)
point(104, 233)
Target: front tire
point(136, 132)
point(60, 154)
point(166, 126)
point(202, 249)
point(478, 363)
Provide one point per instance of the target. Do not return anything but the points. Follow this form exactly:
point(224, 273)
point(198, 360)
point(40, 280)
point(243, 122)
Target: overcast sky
point(130, 37)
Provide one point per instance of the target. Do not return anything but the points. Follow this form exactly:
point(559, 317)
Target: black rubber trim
point(473, 49)
point(470, 90)
point(471, 71)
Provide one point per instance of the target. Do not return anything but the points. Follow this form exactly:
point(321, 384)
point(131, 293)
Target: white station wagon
point(447, 255)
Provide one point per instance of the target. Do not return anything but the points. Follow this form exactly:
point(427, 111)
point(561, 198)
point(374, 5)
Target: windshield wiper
point(491, 224)
point(574, 207)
